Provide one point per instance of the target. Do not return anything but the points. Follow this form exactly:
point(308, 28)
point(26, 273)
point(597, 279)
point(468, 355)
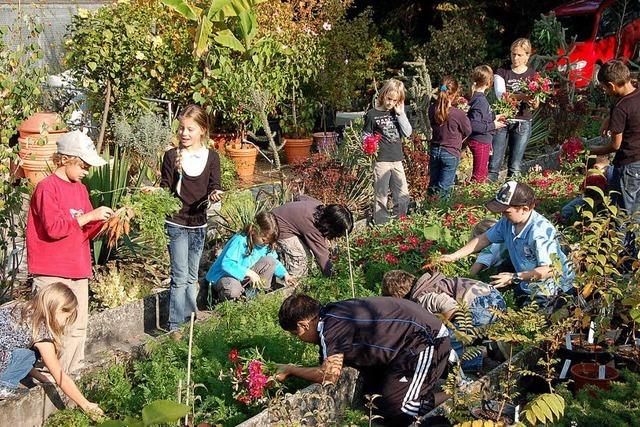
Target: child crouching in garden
point(38, 325)
point(542, 271)
point(450, 128)
point(442, 295)
point(249, 261)
point(389, 120)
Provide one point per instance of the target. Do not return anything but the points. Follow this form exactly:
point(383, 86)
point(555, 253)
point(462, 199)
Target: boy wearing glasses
point(60, 225)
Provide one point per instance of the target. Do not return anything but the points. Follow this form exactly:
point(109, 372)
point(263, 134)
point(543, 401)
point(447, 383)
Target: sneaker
point(12, 393)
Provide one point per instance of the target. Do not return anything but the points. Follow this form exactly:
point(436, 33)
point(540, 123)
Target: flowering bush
point(506, 106)
point(370, 144)
point(537, 86)
point(571, 149)
point(416, 167)
point(252, 378)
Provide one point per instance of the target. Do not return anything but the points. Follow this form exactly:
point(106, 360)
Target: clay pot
point(220, 141)
point(244, 157)
point(36, 170)
point(41, 123)
point(325, 141)
point(38, 143)
point(587, 373)
point(297, 150)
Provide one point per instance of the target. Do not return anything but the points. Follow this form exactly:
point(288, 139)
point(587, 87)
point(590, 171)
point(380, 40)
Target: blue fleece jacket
point(481, 118)
point(233, 261)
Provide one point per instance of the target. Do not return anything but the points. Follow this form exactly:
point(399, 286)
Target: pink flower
point(404, 248)
point(533, 86)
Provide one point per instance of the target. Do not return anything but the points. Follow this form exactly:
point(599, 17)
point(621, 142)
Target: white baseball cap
point(78, 144)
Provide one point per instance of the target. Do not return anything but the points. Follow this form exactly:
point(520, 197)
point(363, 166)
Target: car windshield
point(578, 26)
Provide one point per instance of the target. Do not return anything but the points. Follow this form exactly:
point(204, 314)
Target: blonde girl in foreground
point(38, 325)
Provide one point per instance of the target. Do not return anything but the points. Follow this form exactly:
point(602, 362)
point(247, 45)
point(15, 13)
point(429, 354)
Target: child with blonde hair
point(60, 225)
point(38, 324)
point(192, 173)
point(450, 127)
point(388, 119)
point(249, 261)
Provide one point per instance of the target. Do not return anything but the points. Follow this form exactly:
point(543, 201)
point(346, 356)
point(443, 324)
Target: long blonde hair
point(40, 311)
point(391, 85)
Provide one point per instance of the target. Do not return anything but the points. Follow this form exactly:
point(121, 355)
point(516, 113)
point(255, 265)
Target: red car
point(595, 24)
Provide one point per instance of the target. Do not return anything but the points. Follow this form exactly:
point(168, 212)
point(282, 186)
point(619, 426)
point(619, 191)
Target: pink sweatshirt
point(56, 244)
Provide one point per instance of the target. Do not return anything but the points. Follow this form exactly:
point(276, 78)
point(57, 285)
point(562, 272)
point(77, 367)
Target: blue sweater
point(481, 118)
point(233, 262)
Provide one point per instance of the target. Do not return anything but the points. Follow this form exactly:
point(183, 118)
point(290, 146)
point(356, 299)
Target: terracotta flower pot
point(297, 150)
point(221, 140)
point(587, 373)
point(244, 158)
point(325, 141)
point(38, 143)
point(41, 123)
point(36, 170)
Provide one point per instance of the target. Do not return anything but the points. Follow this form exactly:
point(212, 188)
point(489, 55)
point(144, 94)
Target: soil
point(489, 414)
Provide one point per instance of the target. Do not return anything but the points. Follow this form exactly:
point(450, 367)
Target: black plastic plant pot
point(583, 352)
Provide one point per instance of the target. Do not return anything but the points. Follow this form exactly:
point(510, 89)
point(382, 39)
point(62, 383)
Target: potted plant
point(296, 127)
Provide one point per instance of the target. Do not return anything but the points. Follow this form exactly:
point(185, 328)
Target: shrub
point(455, 48)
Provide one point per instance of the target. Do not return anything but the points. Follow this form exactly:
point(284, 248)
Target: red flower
point(403, 218)
point(370, 144)
point(547, 172)
point(233, 355)
point(413, 240)
point(390, 258)
point(404, 248)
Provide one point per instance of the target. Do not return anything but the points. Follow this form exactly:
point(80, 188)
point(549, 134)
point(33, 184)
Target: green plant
point(155, 413)
point(21, 76)
point(145, 135)
point(117, 287)
point(455, 47)
point(547, 34)
point(227, 173)
point(354, 58)
point(68, 418)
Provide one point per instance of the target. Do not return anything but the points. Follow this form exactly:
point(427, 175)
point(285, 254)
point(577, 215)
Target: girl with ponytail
point(249, 261)
point(192, 173)
point(450, 128)
point(38, 325)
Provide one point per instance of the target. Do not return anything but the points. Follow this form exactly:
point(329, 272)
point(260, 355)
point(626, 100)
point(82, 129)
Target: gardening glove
point(94, 411)
point(289, 280)
point(253, 277)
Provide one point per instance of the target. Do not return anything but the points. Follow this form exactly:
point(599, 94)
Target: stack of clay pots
point(38, 137)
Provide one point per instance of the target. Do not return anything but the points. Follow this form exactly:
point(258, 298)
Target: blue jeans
point(20, 364)
point(480, 316)
point(185, 249)
point(516, 137)
point(630, 187)
point(442, 171)
point(571, 208)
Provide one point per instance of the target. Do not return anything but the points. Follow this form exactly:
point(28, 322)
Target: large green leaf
point(163, 411)
point(227, 39)
point(184, 8)
point(216, 6)
point(201, 43)
point(248, 26)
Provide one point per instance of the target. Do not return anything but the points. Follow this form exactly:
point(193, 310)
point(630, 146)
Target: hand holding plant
point(252, 377)
point(507, 106)
point(118, 225)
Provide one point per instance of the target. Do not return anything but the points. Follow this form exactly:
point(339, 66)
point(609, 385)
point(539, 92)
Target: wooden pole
point(105, 115)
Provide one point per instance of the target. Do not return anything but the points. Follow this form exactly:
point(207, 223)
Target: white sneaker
point(12, 393)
